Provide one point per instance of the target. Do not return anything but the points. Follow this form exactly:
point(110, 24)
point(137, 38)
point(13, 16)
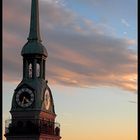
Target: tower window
point(37, 70)
point(30, 70)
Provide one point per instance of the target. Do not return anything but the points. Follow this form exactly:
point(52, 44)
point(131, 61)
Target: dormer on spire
point(34, 22)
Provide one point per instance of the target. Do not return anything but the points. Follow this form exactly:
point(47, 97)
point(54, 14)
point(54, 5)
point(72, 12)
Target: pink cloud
point(78, 54)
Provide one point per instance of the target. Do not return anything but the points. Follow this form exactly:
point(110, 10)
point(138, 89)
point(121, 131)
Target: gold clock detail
point(47, 99)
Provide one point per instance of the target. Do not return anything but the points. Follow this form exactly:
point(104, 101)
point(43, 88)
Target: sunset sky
point(91, 65)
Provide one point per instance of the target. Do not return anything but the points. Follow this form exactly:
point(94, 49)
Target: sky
point(91, 65)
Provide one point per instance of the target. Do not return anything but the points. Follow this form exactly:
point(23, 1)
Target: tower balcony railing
point(31, 126)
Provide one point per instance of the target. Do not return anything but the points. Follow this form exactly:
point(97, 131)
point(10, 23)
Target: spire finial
point(34, 22)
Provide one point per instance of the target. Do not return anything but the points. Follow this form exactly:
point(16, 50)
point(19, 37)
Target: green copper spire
point(34, 46)
point(34, 22)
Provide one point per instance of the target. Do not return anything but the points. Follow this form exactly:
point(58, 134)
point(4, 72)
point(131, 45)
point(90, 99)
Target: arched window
point(37, 70)
point(30, 70)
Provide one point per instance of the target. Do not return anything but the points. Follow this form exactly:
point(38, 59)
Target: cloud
point(81, 52)
point(125, 23)
point(115, 8)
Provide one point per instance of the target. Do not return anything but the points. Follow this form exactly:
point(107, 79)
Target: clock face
point(47, 99)
point(24, 97)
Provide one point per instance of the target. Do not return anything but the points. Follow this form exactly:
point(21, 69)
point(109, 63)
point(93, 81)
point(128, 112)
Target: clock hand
point(23, 100)
point(26, 100)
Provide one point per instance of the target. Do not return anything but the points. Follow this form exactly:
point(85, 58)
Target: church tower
point(32, 109)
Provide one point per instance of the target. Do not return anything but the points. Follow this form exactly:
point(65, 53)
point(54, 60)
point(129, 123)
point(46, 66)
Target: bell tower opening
point(30, 73)
point(37, 70)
